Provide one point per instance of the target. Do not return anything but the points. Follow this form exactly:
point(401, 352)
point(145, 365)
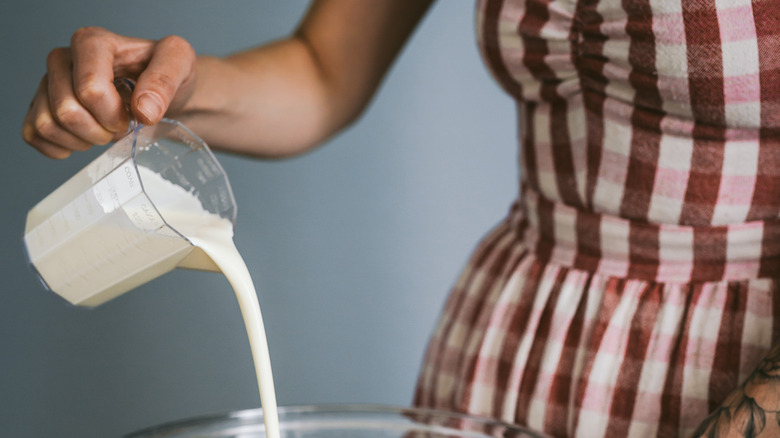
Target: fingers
point(41, 130)
point(77, 105)
point(49, 149)
point(170, 70)
point(94, 52)
point(69, 111)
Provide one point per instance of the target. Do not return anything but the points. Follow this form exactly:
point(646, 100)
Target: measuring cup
point(100, 235)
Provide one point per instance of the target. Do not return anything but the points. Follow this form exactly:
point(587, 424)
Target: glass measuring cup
point(100, 234)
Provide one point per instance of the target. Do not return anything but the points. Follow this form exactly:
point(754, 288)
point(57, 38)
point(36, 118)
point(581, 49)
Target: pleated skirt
point(583, 343)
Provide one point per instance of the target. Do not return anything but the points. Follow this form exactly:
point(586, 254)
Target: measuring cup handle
point(125, 88)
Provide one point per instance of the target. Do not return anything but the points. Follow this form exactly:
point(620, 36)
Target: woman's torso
point(659, 111)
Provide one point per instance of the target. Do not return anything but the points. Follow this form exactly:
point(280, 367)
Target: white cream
point(214, 235)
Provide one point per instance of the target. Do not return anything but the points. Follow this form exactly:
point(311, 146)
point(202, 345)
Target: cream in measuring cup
point(100, 234)
point(155, 200)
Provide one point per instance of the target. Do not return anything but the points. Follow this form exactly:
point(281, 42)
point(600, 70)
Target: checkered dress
point(634, 283)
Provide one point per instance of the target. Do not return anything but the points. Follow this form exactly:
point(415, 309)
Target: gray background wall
point(353, 247)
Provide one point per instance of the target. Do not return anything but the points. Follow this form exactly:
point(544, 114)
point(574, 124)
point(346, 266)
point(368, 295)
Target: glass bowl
point(340, 421)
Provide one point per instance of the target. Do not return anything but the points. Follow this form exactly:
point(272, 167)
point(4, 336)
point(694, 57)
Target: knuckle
point(180, 46)
point(45, 126)
point(177, 43)
point(28, 133)
point(102, 136)
point(56, 55)
point(86, 33)
point(96, 134)
point(68, 112)
point(164, 82)
point(89, 90)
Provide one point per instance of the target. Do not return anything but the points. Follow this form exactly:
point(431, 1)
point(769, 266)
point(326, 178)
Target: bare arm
point(753, 409)
point(275, 100)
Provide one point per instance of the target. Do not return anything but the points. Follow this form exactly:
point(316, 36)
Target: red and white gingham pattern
point(573, 353)
point(634, 284)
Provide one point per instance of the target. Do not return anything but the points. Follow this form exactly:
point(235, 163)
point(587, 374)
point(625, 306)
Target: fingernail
point(150, 106)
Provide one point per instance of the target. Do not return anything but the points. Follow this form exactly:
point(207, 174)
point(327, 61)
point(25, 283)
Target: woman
point(631, 290)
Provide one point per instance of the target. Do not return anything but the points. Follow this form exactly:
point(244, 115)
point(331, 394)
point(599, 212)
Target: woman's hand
point(274, 100)
point(76, 104)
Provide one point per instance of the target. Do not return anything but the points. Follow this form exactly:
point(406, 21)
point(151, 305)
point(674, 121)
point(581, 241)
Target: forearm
point(264, 102)
point(751, 410)
point(289, 96)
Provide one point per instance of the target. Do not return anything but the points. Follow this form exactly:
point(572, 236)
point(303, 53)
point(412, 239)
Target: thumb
point(149, 108)
point(169, 72)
